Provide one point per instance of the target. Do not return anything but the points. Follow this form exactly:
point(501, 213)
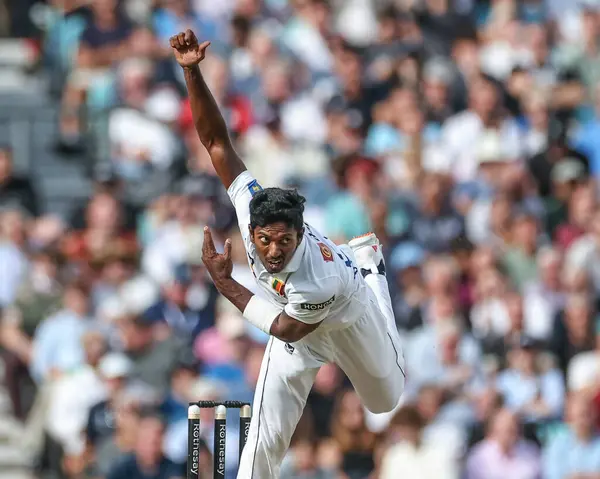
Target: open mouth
point(275, 263)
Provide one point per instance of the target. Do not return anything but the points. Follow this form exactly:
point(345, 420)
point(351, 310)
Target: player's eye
point(264, 240)
point(285, 241)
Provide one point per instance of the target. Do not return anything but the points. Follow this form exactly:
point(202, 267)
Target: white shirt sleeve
point(310, 307)
point(241, 191)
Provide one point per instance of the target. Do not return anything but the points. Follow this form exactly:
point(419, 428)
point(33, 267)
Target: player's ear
point(300, 234)
point(251, 233)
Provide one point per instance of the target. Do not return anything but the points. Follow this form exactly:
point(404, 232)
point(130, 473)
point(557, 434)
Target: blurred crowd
point(465, 133)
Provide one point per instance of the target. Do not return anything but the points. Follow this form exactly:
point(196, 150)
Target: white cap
point(490, 148)
point(435, 160)
point(164, 105)
point(138, 294)
point(111, 309)
point(115, 365)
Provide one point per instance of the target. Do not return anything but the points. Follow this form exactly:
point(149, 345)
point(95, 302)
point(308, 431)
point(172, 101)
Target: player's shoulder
point(245, 182)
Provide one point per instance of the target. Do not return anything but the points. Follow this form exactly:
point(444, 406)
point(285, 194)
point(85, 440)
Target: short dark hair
point(274, 205)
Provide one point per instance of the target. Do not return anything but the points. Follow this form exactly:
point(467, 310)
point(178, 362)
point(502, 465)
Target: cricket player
point(328, 303)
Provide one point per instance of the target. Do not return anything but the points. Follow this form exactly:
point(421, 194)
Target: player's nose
point(274, 250)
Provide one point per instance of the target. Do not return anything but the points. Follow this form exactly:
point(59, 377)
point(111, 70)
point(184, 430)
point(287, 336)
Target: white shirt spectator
point(583, 371)
point(464, 130)
point(173, 245)
point(13, 266)
point(71, 398)
point(584, 255)
point(133, 134)
point(429, 461)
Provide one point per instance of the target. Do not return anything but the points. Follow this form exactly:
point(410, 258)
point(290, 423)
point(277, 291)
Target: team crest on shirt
point(254, 187)
point(279, 286)
point(326, 252)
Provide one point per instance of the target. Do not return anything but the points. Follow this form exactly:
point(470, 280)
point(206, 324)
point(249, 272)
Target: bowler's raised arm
point(209, 121)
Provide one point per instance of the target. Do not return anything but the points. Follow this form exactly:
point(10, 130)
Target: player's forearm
point(237, 294)
point(208, 120)
point(281, 326)
point(211, 127)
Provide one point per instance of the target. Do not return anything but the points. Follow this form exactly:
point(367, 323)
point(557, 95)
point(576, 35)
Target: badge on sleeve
point(326, 252)
point(254, 187)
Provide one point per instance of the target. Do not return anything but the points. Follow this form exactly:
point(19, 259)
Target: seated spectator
point(111, 449)
point(584, 253)
point(12, 255)
point(301, 463)
point(73, 395)
point(114, 369)
point(347, 212)
point(321, 399)
point(185, 373)
point(567, 176)
point(57, 346)
point(530, 388)
point(147, 453)
point(153, 356)
point(519, 258)
point(544, 297)
point(573, 330)
point(353, 439)
point(466, 128)
point(504, 450)
point(435, 224)
point(140, 143)
point(442, 352)
point(542, 164)
point(574, 451)
point(16, 192)
point(410, 295)
point(187, 304)
point(412, 455)
point(580, 213)
point(177, 239)
point(445, 419)
point(489, 315)
point(498, 344)
point(103, 42)
point(583, 371)
point(104, 231)
point(39, 297)
point(487, 403)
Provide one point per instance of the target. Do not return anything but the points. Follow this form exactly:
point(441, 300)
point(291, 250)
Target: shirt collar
point(294, 263)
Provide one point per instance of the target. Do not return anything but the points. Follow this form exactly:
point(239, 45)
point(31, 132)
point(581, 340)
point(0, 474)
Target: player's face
point(275, 244)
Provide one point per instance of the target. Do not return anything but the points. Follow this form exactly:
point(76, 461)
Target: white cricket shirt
point(318, 284)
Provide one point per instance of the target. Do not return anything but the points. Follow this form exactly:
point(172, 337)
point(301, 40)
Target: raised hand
point(219, 266)
point(186, 48)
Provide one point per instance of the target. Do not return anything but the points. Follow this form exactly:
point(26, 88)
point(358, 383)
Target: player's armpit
point(290, 330)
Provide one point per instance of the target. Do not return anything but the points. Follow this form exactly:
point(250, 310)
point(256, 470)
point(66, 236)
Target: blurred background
point(465, 133)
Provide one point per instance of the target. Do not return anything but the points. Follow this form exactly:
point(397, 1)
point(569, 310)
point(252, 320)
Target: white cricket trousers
point(368, 351)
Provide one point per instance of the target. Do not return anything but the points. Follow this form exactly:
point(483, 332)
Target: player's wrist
point(261, 313)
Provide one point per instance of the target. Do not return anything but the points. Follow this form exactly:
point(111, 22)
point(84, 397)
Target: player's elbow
point(289, 335)
point(290, 330)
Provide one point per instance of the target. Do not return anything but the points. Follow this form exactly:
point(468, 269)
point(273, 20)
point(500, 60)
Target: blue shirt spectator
point(574, 451)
